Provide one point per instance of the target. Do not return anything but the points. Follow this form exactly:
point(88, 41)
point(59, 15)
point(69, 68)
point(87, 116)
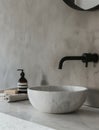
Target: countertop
point(86, 118)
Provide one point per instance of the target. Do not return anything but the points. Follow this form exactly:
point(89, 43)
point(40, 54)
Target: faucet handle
point(86, 64)
point(85, 57)
point(88, 57)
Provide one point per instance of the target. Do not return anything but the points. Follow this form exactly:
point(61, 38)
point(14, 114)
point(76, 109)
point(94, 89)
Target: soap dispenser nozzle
point(22, 72)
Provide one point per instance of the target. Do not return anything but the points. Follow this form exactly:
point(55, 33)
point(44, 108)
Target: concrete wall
point(36, 34)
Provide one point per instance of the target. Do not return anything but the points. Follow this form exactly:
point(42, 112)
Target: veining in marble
point(86, 118)
point(12, 123)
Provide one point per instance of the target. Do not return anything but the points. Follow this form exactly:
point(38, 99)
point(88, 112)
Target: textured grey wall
point(35, 34)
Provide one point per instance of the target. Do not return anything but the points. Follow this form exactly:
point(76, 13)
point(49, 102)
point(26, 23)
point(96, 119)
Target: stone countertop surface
point(86, 118)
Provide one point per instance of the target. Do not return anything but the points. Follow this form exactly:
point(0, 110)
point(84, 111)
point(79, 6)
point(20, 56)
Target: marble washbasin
point(57, 99)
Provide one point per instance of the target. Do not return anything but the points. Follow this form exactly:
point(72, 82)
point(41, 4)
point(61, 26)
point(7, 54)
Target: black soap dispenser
point(22, 82)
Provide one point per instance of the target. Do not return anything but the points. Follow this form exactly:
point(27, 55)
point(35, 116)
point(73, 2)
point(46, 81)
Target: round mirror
point(84, 5)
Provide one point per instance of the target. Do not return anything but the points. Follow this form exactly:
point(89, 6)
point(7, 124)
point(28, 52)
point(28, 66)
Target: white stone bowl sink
point(55, 99)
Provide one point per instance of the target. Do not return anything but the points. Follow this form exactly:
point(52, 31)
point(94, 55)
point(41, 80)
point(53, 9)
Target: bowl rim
point(64, 88)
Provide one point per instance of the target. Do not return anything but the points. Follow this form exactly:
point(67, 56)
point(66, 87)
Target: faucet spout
point(85, 58)
point(68, 58)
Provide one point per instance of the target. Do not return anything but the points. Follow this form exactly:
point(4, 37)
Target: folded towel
point(11, 91)
point(2, 95)
point(15, 97)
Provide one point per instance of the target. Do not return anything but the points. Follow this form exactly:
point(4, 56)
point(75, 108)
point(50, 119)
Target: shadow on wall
point(44, 80)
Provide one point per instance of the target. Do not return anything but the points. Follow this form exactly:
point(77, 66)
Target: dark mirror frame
point(72, 5)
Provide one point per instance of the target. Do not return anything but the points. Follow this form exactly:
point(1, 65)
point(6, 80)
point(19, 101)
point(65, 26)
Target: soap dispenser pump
point(22, 82)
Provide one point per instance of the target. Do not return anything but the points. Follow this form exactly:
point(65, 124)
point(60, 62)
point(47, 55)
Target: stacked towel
point(15, 97)
point(2, 95)
point(12, 95)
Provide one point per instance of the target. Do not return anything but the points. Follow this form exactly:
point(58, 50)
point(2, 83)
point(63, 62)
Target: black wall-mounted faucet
point(85, 58)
